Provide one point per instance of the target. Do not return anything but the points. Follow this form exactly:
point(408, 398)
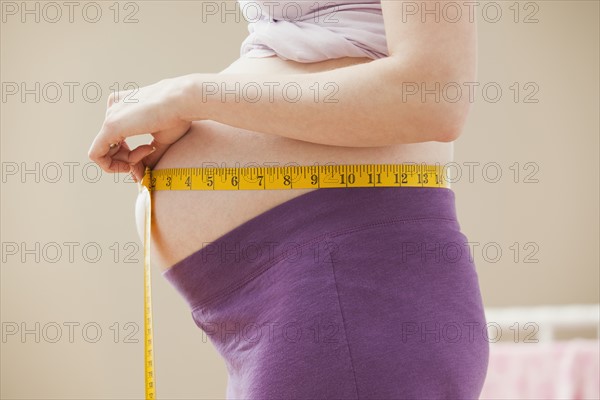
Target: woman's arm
point(375, 102)
point(403, 98)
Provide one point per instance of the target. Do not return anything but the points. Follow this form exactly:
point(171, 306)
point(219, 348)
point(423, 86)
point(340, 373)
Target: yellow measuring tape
point(267, 178)
point(148, 337)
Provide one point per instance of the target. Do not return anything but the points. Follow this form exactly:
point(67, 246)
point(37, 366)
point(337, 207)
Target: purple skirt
point(351, 293)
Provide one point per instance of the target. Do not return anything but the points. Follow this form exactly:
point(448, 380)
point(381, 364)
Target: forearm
point(363, 105)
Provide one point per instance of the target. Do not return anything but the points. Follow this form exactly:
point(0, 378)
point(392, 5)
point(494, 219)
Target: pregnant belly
point(184, 222)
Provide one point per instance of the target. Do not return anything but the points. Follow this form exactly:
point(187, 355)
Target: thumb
point(151, 159)
point(140, 152)
point(148, 158)
point(136, 157)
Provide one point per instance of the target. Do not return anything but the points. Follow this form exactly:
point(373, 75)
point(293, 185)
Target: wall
point(543, 207)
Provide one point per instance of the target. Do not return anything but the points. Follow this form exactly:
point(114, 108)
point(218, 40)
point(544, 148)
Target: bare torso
point(183, 222)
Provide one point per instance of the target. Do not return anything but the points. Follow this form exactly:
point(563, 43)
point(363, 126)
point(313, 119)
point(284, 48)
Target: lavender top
point(312, 30)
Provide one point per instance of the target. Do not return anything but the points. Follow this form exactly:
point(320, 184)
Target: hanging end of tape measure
point(146, 181)
point(148, 330)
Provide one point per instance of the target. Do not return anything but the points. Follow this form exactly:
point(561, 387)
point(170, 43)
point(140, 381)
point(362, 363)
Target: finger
point(125, 145)
point(137, 171)
point(119, 158)
point(122, 154)
point(117, 163)
point(114, 148)
point(140, 152)
point(136, 160)
point(116, 131)
point(118, 166)
point(152, 159)
point(131, 158)
point(149, 160)
point(119, 126)
point(101, 151)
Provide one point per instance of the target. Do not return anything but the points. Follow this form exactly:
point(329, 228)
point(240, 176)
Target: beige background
point(559, 214)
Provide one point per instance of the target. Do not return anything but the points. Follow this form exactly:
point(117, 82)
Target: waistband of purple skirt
point(221, 266)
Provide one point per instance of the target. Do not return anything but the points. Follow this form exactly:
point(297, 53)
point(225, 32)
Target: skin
point(191, 127)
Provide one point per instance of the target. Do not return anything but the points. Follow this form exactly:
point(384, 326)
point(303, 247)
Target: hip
point(370, 284)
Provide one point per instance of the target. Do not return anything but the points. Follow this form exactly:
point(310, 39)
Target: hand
point(154, 109)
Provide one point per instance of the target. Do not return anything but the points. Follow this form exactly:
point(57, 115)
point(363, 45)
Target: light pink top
point(310, 31)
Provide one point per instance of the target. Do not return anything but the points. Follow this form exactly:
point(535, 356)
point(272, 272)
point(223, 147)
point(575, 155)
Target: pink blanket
point(556, 370)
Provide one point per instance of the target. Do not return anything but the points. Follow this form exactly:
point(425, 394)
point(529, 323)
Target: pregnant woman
point(345, 293)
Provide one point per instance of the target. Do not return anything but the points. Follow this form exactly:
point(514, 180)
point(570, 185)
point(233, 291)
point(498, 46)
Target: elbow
point(449, 124)
point(430, 113)
point(426, 113)
point(448, 132)
point(430, 119)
